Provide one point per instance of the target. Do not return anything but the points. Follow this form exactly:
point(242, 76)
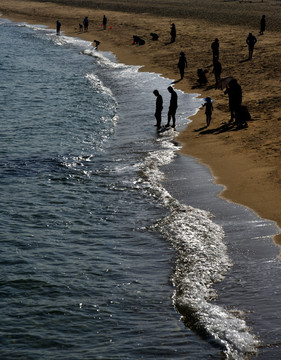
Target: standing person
point(217, 70)
point(86, 23)
point(173, 107)
point(182, 64)
point(104, 22)
point(159, 108)
point(209, 109)
point(262, 25)
point(173, 33)
point(234, 92)
point(58, 27)
point(251, 41)
point(215, 48)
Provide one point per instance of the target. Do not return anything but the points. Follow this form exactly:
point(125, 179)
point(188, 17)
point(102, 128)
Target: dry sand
point(245, 161)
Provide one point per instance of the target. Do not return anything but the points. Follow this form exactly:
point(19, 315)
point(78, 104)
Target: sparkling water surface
point(96, 253)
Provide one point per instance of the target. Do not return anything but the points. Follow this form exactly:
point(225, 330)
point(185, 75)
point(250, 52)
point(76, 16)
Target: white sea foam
point(201, 261)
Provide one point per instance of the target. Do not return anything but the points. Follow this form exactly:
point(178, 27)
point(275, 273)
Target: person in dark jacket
point(86, 23)
point(234, 92)
point(251, 41)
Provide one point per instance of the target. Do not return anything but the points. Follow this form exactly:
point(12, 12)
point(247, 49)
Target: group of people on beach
point(237, 111)
point(172, 108)
point(233, 90)
point(84, 26)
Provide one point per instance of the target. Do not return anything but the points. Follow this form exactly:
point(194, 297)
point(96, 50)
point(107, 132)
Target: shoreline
point(245, 162)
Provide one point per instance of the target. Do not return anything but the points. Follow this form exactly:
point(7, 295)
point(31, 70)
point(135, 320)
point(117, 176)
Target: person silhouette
point(262, 25)
point(217, 70)
point(86, 23)
point(58, 27)
point(104, 22)
point(182, 64)
point(215, 48)
point(159, 108)
point(173, 33)
point(209, 109)
point(234, 92)
point(251, 41)
point(173, 107)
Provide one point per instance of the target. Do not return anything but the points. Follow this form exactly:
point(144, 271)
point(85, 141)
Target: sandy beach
point(246, 161)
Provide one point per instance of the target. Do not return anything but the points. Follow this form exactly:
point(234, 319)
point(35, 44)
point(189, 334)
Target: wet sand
point(245, 161)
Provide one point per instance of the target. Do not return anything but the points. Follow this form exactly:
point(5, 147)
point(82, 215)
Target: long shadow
point(210, 87)
point(168, 43)
point(206, 88)
point(200, 129)
point(176, 81)
point(221, 129)
point(198, 86)
point(242, 61)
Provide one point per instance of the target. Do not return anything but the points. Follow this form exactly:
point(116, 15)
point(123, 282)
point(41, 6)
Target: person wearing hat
point(182, 64)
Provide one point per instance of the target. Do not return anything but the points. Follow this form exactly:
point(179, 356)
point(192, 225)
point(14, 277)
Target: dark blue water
point(80, 278)
point(96, 255)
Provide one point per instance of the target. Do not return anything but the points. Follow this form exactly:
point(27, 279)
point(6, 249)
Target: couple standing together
point(172, 108)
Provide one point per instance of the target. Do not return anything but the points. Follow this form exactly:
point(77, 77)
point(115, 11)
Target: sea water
point(105, 254)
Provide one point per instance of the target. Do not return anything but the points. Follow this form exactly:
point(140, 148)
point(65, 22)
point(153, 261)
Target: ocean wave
point(201, 261)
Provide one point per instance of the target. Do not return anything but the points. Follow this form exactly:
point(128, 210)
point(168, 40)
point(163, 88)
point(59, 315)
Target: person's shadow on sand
point(176, 81)
point(169, 43)
point(242, 61)
point(206, 88)
point(221, 129)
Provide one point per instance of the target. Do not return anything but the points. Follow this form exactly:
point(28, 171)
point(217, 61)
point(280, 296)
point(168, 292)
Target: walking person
point(251, 41)
point(173, 107)
point(173, 33)
point(182, 64)
point(159, 108)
